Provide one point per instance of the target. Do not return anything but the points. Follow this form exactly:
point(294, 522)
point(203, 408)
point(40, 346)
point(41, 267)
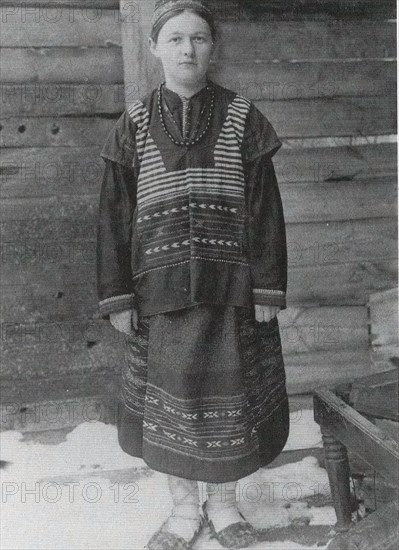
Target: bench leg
point(337, 465)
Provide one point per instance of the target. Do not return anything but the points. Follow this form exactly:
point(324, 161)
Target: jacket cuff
point(269, 297)
point(115, 304)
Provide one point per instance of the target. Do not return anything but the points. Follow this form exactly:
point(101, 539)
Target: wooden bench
point(345, 417)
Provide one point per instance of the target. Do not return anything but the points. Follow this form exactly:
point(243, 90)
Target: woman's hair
point(205, 16)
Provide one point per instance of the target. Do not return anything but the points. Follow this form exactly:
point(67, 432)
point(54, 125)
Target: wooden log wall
point(324, 74)
point(62, 90)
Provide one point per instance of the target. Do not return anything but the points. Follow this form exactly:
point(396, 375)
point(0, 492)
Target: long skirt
point(203, 393)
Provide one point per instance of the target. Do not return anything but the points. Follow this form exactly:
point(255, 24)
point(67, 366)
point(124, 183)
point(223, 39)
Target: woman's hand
point(265, 313)
point(123, 320)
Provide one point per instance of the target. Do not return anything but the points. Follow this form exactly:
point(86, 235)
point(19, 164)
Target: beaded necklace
point(185, 142)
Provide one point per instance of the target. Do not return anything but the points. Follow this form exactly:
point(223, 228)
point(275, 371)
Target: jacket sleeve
point(266, 232)
point(266, 235)
point(117, 204)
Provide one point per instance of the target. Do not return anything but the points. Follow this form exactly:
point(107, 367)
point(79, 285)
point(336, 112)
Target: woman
point(192, 265)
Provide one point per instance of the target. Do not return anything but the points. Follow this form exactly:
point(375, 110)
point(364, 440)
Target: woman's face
point(184, 47)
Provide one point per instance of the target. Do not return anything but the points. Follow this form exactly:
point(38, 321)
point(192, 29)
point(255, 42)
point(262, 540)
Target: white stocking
point(222, 504)
point(185, 517)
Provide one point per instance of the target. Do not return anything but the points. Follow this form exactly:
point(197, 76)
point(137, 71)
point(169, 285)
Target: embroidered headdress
point(165, 9)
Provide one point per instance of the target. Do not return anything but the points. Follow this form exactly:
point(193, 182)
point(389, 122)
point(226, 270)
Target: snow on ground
point(272, 497)
point(86, 493)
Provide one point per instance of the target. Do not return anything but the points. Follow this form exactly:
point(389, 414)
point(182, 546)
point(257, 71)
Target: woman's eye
point(199, 39)
point(175, 39)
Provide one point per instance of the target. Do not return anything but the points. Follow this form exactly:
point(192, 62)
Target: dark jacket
point(169, 289)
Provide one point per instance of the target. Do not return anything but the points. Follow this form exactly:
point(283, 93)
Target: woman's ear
point(153, 47)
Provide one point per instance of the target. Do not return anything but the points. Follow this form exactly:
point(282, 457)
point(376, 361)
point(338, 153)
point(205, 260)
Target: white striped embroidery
point(206, 181)
point(196, 173)
point(267, 291)
point(228, 165)
point(141, 118)
point(150, 158)
point(224, 184)
point(174, 192)
point(228, 148)
point(187, 242)
point(152, 162)
point(214, 207)
point(114, 299)
point(211, 185)
point(170, 211)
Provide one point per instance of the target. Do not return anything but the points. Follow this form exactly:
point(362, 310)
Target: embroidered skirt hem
point(203, 393)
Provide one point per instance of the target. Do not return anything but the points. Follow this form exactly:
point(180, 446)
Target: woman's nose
point(188, 47)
